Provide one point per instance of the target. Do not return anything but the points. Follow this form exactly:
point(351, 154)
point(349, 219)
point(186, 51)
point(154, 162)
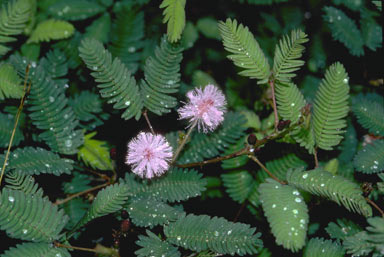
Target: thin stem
point(148, 122)
point(271, 83)
point(103, 176)
point(265, 169)
point(181, 146)
point(315, 156)
point(375, 206)
point(26, 91)
point(245, 150)
point(58, 202)
point(240, 211)
point(57, 244)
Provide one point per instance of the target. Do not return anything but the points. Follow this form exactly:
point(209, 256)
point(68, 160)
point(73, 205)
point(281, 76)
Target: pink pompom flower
point(149, 155)
point(206, 107)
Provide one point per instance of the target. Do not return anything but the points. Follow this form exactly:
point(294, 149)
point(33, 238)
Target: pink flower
point(149, 155)
point(206, 106)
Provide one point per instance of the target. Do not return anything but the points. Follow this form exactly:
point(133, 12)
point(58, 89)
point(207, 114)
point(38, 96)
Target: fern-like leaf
point(152, 245)
point(280, 166)
point(6, 125)
point(51, 30)
point(9, 82)
point(290, 101)
point(74, 9)
point(14, 18)
point(344, 228)
point(369, 111)
point(372, 34)
point(344, 30)
point(162, 77)
point(238, 184)
point(370, 159)
point(49, 110)
point(199, 233)
point(116, 82)
point(23, 182)
point(108, 200)
point(177, 185)
point(75, 209)
point(208, 146)
point(55, 64)
point(100, 29)
point(70, 49)
point(336, 188)
point(287, 53)
point(29, 217)
point(150, 212)
point(35, 161)
point(127, 37)
point(331, 107)
point(94, 153)
point(36, 250)
point(286, 212)
point(349, 145)
point(246, 52)
point(174, 16)
point(319, 247)
point(79, 182)
point(237, 161)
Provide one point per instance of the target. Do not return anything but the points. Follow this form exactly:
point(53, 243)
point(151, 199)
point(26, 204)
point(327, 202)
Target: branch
point(375, 206)
point(266, 170)
point(26, 91)
point(271, 83)
point(100, 249)
point(58, 202)
point(181, 146)
point(148, 122)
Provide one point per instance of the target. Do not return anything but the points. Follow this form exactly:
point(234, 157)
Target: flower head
point(149, 155)
point(206, 107)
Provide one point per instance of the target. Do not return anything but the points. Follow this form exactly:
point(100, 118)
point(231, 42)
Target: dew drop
point(274, 206)
point(127, 103)
point(11, 199)
point(305, 175)
point(51, 99)
point(298, 200)
point(131, 49)
point(25, 231)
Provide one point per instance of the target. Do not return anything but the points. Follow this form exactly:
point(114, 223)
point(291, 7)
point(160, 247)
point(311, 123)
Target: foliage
point(199, 233)
point(286, 212)
point(303, 126)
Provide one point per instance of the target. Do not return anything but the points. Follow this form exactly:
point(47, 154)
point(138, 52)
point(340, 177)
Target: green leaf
point(79, 182)
point(370, 159)
point(115, 81)
point(6, 124)
point(208, 27)
point(372, 34)
point(10, 82)
point(201, 79)
point(108, 200)
point(335, 188)
point(287, 53)
point(162, 78)
point(51, 30)
point(290, 101)
point(281, 165)
point(349, 145)
point(176, 185)
point(331, 107)
point(29, 217)
point(15, 16)
point(174, 16)
point(286, 212)
point(74, 9)
point(94, 153)
point(17, 180)
point(152, 245)
point(100, 28)
point(246, 52)
point(199, 233)
point(36, 250)
point(369, 111)
point(75, 209)
point(319, 247)
point(151, 212)
point(344, 228)
point(237, 161)
point(36, 160)
point(344, 30)
point(238, 184)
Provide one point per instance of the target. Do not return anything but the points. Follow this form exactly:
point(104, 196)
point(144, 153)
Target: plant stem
point(58, 202)
point(100, 249)
point(181, 146)
point(375, 206)
point(245, 151)
point(57, 244)
point(315, 156)
point(271, 83)
point(266, 170)
point(148, 122)
point(26, 91)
